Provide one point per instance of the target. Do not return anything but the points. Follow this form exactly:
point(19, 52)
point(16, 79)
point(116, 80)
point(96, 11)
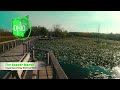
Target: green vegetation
point(84, 51)
point(36, 31)
point(84, 55)
point(57, 31)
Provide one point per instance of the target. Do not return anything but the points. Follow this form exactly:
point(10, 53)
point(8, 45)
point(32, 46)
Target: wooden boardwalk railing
point(29, 44)
point(7, 45)
point(58, 72)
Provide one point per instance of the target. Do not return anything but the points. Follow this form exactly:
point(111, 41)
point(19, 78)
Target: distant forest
point(57, 31)
point(5, 33)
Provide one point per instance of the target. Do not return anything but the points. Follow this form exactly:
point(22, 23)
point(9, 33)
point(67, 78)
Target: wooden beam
point(25, 58)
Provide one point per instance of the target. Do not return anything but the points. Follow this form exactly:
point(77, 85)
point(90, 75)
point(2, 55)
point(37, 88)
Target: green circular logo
point(21, 27)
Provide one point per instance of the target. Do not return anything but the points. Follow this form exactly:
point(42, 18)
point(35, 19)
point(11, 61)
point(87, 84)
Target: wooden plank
point(8, 41)
point(7, 59)
point(42, 74)
point(34, 76)
point(17, 57)
point(8, 46)
point(15, 51)
point(4, 59)
point(9, 55)
point(50, 72)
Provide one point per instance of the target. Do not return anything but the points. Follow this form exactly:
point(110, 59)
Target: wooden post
point(3, 48)
point(18, 42)
point(11, 45)
point(54, 73)
point(15, 43)
point(8, 46)
point(28, 46)
point(33, 55)
point(21, 41)
point(48, 58)
point(24, 48)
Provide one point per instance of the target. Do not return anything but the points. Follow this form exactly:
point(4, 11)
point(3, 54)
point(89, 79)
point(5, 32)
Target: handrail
point(58, 72)
point(8, 41)
point(6, 45)
point(28, 44)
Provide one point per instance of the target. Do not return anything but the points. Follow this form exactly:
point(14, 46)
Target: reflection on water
point(116, 71)
point(75, 71)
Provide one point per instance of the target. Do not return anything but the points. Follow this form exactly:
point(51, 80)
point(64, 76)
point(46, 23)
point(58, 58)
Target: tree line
point(5, 33)
point(58, 31)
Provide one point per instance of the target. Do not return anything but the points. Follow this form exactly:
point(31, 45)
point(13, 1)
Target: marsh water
point(75, 71)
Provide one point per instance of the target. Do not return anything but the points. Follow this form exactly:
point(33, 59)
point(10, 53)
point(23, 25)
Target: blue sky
point(73, 21)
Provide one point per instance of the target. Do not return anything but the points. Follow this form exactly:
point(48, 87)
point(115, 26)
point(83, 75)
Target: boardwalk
point(13, 51)
point(13, 55)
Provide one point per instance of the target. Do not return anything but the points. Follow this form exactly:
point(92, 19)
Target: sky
point(72, 21)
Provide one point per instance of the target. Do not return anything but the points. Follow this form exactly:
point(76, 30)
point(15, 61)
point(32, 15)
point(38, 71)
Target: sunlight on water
point(116, 71)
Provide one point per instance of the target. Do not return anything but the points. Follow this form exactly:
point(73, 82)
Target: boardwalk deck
point(44, 73)
point(13, 55)
point(50, 70)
